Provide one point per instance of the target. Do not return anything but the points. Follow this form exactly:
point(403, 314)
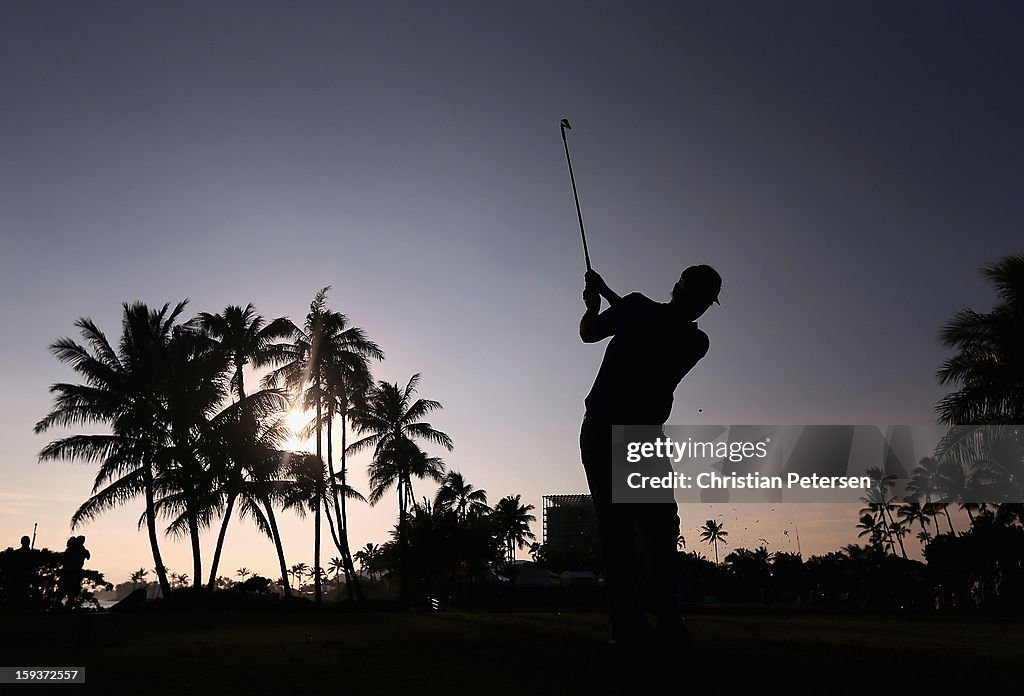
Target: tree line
point(187, 435)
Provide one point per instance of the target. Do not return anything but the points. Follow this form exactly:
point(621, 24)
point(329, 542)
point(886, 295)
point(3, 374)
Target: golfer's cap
point(702, 280)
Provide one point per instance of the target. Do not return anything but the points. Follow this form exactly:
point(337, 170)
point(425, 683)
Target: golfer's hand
point(591, 298)
point(595, 282)
point(592, 279)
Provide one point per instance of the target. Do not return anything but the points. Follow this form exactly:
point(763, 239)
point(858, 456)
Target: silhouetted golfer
point(653, 346)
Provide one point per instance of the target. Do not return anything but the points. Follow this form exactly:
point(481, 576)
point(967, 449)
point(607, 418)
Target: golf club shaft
point(583, 234)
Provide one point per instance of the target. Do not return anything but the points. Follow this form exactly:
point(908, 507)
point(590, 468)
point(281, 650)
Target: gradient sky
point(847, 167)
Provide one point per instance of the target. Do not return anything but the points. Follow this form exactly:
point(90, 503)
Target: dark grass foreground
point(387, 653)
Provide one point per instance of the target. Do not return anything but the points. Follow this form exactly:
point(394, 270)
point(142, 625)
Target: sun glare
point(296, 420)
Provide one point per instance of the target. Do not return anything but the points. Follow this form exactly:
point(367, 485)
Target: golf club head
point(565, 124)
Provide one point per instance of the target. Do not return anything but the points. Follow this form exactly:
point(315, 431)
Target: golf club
point(586, 253)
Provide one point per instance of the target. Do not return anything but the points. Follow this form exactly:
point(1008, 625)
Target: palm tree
point(870, 527)
point(122, 391)
point(368, 557)
point(346, 355)
point(243, 335)
point(512, 522)
point(243, 573)
point(336, 566)
point(879, 502)
point(332, 357)
point(713, 532)
point(138, 577)
point(459, 496)
point(923, 486)
point(396, 464)
point(988, 367)
point(242, 447)
point(195, 391)
point(298, 571)
point(391, 420)
point(912, 511)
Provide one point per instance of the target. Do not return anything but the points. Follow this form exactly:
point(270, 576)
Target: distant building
point(570, 532)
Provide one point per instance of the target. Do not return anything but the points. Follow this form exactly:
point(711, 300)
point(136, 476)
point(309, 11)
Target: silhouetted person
point(75, 556)
point(21, 571)
point(653, 345)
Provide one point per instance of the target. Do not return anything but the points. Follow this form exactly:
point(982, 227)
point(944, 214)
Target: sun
point(295, 420)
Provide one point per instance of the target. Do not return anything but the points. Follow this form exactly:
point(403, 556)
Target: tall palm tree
point(329, 359)
point(244, 337)
point(879, 502)
point(713, 532)
point(926, 483)
point(196, 389)
point(459, 496)
point(391, 421)
point(987, 370)
point(512, 521)
point(123, 391)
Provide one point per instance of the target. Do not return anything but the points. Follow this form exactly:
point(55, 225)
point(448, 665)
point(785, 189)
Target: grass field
point(738, 651)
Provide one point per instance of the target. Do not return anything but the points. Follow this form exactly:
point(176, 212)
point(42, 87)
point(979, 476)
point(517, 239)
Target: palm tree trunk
point(220, 542)
point(330, 526)
point(317, 592)
point(239, 362)
point(949, 520)
point(892, 522)
point(272, 519)
point(403, 543)
point(161, 572)
point(346, 551)
point(340, 539)
point(885, 526)
point(197, 561)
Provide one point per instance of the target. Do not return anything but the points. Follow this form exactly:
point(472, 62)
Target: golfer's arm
point(594, 326)
point(610, 295)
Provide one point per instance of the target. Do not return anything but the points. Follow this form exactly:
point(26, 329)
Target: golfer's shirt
point(650, 352)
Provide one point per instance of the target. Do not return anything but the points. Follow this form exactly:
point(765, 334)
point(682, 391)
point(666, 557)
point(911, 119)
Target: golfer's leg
point(659, 529)
point(615, 529)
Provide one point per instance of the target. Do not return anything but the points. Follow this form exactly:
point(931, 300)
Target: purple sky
point(847, 168)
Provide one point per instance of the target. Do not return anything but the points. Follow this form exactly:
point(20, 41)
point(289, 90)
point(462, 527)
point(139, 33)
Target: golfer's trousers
point(651, 529)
